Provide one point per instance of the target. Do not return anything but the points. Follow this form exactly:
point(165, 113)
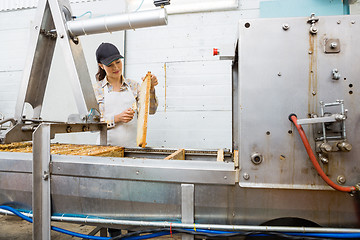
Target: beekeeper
point(116, 96)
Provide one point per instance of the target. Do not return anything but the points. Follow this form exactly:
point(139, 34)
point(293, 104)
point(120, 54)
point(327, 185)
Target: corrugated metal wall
point(10, 5)
point(14, 31)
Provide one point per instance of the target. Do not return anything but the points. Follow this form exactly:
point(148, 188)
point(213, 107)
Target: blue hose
point(88, 12)
point(322, 235)
point(139, 6)
point(79, 235)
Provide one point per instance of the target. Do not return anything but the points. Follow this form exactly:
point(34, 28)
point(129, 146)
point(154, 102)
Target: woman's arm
point(153, 102)
point(135, 87)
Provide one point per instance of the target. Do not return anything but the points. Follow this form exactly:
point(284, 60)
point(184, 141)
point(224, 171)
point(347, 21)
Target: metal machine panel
point(104, 194)
point(283, 69)
point(145, 170)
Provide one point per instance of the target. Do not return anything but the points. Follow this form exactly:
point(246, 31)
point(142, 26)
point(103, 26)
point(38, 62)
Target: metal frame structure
point(50, 27)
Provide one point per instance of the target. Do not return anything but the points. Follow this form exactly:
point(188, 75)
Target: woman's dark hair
point(100, 75)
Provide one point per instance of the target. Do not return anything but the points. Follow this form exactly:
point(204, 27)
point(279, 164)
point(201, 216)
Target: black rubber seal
point(292, 114)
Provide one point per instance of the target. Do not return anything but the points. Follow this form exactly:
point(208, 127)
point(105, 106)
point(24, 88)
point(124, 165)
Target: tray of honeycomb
point(67, 149)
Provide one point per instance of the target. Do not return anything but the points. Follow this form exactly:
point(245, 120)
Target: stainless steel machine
point(302, 69)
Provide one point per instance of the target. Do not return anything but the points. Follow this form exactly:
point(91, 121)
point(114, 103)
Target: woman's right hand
point(125, 116)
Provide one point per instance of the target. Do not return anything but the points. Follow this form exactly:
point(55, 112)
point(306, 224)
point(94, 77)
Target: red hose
point(315, 162)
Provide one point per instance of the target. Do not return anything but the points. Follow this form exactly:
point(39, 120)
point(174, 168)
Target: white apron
point(123, 134)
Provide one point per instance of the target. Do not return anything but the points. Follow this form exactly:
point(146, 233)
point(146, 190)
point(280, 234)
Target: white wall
point(355, 8)
point(14, 30)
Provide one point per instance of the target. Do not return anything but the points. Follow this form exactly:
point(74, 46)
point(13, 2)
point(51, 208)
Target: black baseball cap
point(107, 53)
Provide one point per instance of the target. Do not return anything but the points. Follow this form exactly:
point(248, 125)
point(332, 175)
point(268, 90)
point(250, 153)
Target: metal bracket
point(23, 131)
point(332, 45)
point(332, 118)
point(161, 3)
point(335, 74)
point(324, 143)
point(312, 20)
point(339, 117)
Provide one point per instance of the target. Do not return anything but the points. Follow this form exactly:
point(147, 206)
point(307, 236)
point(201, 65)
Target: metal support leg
point(41, 183)
point(187, 207)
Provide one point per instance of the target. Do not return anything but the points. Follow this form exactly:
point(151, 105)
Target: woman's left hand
point(154, 81)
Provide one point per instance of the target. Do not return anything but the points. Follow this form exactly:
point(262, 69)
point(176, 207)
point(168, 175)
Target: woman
point(116, 96)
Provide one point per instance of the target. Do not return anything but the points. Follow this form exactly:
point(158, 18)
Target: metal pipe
point(199, 226)
point(118, 22)
point(329, 138)
point(332, 104)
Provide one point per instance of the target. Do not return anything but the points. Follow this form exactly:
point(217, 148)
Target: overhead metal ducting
point(118, 22)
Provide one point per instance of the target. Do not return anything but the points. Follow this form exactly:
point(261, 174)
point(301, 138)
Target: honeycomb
point(67, 149)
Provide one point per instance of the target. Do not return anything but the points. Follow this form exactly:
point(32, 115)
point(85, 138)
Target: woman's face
point(114, 70)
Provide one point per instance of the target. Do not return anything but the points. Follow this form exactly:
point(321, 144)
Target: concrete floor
point(14, 228)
